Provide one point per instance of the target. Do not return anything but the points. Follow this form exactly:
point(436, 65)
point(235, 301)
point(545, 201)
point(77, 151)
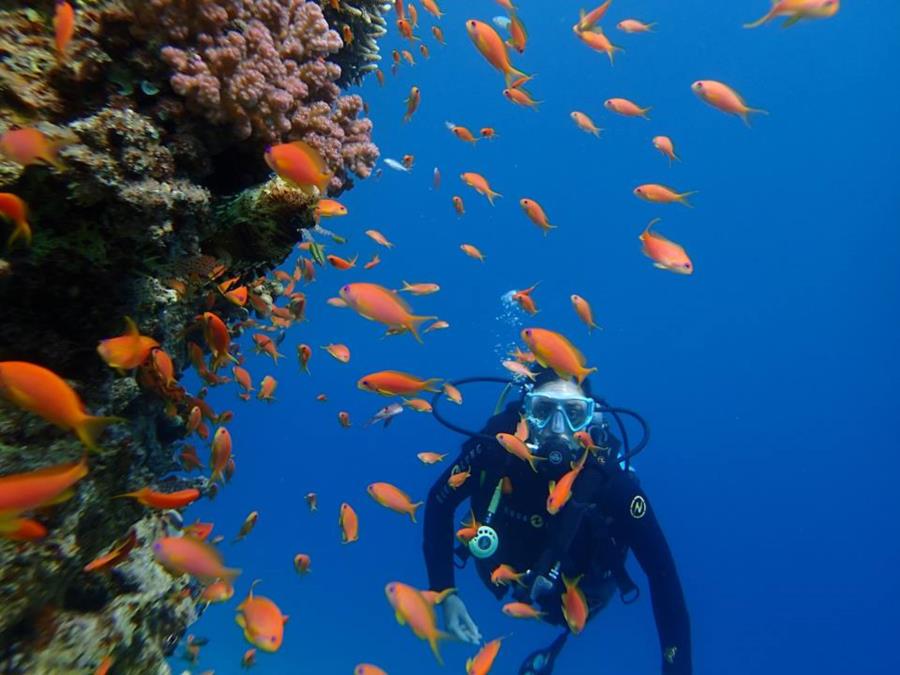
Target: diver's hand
point(458, 622)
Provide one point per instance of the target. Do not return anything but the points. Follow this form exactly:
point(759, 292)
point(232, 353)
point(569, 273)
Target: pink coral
point(261, 67)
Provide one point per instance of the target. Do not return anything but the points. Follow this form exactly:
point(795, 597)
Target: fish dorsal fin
point(131, 328)
point(252, 586)
point(649, 228)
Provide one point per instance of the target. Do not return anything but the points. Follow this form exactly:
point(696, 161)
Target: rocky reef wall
point(161, 111)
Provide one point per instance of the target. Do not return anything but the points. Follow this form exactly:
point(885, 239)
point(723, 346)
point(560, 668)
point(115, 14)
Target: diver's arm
point(438, 539)
point(638, 526)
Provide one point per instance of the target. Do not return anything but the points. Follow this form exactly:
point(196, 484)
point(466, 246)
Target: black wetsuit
point(607, 515)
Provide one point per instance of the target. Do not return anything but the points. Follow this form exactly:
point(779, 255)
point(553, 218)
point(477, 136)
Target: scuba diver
point(607, 515)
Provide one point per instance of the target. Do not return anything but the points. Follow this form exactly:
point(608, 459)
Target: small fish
point(344, 419)
point(518, 369)
point(117, 554)
point(432, 8)
point(438, 34)
point(379, 75)
point(412, 104)
point(585, 123)
point(462, 133)
point(262, 622)
point(35, 489)
point(304, 353)
point(340, 263)
point(452, 393)
point(666, 255)
point(242, 377)
point(248, 660)
point(503, 575)
point(379, 238)
point(518, 36)
point(436, 179)
point(635, 26)
point(380, 304)
point(338, 351)
point(347, 34)
point(419, 288)
point(492, 48)
point(386, 415)
point(722, 97)
point(198, 530)
point(561, 492)
point(430, 457)
point(408, 161)
point(665, 146)
point(472, 252)
point(483, 661)
point(521, 97)
point(517, 448)
point(661, 194)
point(368, 669)
point(502, 22)
point(596, 39)
point(220, 454)
point(300, 165)
point(418, 404)
point(412, 609)
point(423, 50)
point(164, 500)
point(186, 555)
point(312, 501)
point(574, 605)
point(301, 563)
point(393, 498)
point(127, 351)
point(15, 210)
point(488, 132)
point(457, 479)
point(437, 325)
point(376, 260)
point(395, 165)
point(479, 183)
point(583, 309)
point(458, 205)
point(553, 350)
point(396, 383)
point(408, 57)
point(626, 108)
point(45, 394)
point(329, 208)
point(29, 146)
point(349, 524)
point(590, 19)
point(521, 610)
point(247, 526)
point(217, 338)
point(535, 213)
point(216, 592)
point(526, 302)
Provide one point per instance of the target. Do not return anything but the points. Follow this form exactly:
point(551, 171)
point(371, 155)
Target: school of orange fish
point(40, 391)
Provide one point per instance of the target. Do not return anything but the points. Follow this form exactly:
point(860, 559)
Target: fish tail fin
point(491, 194)
point(534, 459)
point(430, 382)
point(90, 428)
point(413, 508)
point(433, 642)
point(759, 22)
point(644, 112)
point(514, 74)
point(229, 574)
point(746, 114)
point(21, 231)
point(612, 54)
point(584, 373)
point(682, 198)
point(413, 327)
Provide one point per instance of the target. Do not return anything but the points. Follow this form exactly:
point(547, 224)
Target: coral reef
point(155, 206)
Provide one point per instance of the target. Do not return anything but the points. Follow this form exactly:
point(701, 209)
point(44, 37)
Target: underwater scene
point(449, 336)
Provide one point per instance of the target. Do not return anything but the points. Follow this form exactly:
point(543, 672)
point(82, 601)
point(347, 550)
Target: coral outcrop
point(164, 193)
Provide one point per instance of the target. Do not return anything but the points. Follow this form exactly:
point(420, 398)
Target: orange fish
point(423, 50)
point(462, 133)
point(321, 397)
point(414, 610)
point(344, 419)
point(472, 252)
point(347, 34)
point(418, 404)
point(452, 393)
point(329, 208)
point(635, 26)
point(247, 526)
point(583, 309)
point(368, 668)
point(666, 255)
point(127, 351)
point(42, 392)
point(588, 20)
point(408, 57)
point(430, 457)
point(480, 185)
point(35, 489)
point(436, 178)
point(396, 383)
point(518, 36)
point(626, 108)
point(338, 351)
point(304, 353)
point(483, 661)
point(262, 621)
point(554, 350)
point(665, 146)
point(300, 165)
point(369, 265)
point(521, 610)
point(379, 238)
point(302, 563)
point(164, 500)
point(349, 524)
point(379, 75)
point(420, 288)
point(596, 39)
point(13, 208)
point(215, 332)
point(574, 605)
point(522, 357)
point(432, 8)
point(521, 97)
point(265, 345)
point(458, 205)
point(393, 498)
point(585, 123)
point(22, 529)
point(220, 454)
point(340, 263)
point(488, 132)
point(438, 34)
point(660, 194)
point(105, 665)
point(405, 29)
point(413, 15)
point(797, 10)
point(526, 302)
point(437, 325)
point(561, 492)
point(186, 555)
point(492, 48)
point(198, 530)
point(312, 501)
point(242, 377)
point(722, 97)
point(585, 441)
point(412, 103)
point(536, 214)
point(216, 592)
point(519, 369)
point(248, 660)
point(457, 479)
point(63, 26)
point(194, 419)
point(117, 553)
point(516, 447)
point(408, 161)
point(30, 146)
point(504, 575)
point(380, 304)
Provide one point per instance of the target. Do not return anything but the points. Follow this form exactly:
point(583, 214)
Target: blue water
point(769, 377)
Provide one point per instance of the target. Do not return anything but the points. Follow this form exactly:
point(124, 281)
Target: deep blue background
point(768, 377)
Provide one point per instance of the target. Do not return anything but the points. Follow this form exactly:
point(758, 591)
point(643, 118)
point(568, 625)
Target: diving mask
point(541, 408)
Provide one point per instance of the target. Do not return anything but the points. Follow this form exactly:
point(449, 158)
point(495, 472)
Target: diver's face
point(555, 438)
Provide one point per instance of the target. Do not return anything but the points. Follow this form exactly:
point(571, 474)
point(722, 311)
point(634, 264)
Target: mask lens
point(542, 409)
point(578, 412)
